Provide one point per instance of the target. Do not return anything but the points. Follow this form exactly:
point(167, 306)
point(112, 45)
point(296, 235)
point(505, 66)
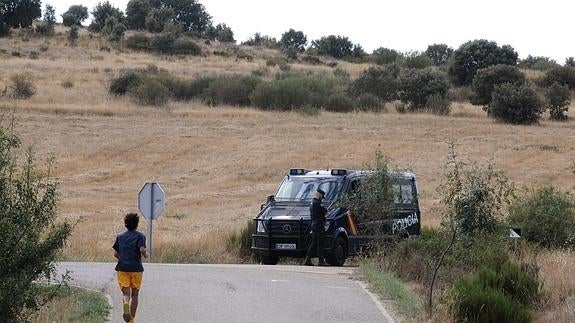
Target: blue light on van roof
point(339, 172)
point(297, 171)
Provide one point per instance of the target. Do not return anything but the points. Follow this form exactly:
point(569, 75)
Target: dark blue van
point(283, 225)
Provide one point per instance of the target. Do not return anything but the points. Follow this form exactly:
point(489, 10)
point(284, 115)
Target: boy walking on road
point(129, 248)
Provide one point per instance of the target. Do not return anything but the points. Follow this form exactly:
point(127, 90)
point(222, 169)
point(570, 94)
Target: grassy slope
point(218, 164)
point(72, 304)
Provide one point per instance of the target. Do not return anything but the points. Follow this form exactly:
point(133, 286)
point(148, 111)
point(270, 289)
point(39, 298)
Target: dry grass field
point(218, 164)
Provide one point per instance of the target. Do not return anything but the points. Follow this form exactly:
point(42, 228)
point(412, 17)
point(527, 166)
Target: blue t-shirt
point(128, 245)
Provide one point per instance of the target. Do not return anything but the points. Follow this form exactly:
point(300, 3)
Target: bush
point(379, 81)
point(149, 92)
point(564, 75)
point(546, 216)
point(75, 15)
point(241, 242)
point(311, 59)
point(383, 56)
point(334, 46)
point(73, 35)
point(167, 43)
point(417, 60)
point(517, 104)
point(138, 41)
point(439, 53)
point(557, 99)
point(21, 86)
point(539, 63)
point(438, 104)
point(127, 80)
point(293, 42)
point(233, 90)
point(415, 86)
point(460, 94)
point(185, 46)
point(369, 102)
point(113, 29)
point(67, 84)
point(478, 54)
point(486, 79)
point(339, 102)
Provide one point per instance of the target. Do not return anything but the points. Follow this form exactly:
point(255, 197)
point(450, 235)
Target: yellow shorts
point(129, 280)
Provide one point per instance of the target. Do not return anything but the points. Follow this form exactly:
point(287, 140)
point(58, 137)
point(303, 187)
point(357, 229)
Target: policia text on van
point(282, 227)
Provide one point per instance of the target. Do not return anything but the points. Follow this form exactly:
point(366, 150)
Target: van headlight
point(261, 227)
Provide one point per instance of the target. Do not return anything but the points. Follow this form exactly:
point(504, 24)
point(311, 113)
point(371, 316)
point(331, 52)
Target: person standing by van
point(317, 212)
point(129, 248)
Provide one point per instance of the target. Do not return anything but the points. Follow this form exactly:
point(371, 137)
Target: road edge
point(377, 301)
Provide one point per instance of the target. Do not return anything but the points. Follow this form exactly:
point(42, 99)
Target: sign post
point(151, 202)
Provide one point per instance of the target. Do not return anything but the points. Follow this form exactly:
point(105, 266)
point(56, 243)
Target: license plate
point(285, 245)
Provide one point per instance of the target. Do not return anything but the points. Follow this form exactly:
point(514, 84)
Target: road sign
point(514, 233)
point(151, 201)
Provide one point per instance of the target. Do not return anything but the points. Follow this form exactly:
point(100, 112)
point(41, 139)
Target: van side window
point(403, 193)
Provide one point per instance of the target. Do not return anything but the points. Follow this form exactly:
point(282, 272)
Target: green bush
point(557, 98)
point(127, 79)
point(138, 41)
point(241, 242)
point(311, 59)
point(149, 91)
point(383, 56)
point(21, 86)
point(416, 86)
point(539, 63)
point(185, 46)
point(546, 216)
point(438, 104)
point(369, 102)
point(339, 102)
point(417, 60)
point(460, 93)
point(516, 104)
point(486, 79)
point(439, 53)
point(234, 90)
point(379, 81)
point(564, 75)
point(334, 46)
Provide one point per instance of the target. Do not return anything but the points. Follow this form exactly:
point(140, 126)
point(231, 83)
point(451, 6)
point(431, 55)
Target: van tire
point(269, 260)
point(339, 253)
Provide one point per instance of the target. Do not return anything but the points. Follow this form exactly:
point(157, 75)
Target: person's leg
point(310, 250)
point(134, 303)
point(320, 242)
point(124, 283)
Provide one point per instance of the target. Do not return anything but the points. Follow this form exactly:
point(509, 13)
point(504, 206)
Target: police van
point(282, 227)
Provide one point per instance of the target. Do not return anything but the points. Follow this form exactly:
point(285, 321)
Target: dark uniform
point(317, 231)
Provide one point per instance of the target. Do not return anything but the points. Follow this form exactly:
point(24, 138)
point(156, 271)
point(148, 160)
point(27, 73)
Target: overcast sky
point(539, 28)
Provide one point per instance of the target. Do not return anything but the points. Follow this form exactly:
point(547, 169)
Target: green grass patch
point(71, 304)
point(389, 286)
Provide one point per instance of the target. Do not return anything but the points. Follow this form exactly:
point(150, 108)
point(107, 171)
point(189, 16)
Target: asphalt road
point(237, 293)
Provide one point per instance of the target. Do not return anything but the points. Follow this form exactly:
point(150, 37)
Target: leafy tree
point(136, 13)
point(158, 19)
point(75, 15)
point(102, 12)
point(293, 42)
point(114, 29)
point(191, 14)
point(416, 86)
point(221, 33)
point(261, 40)
point(540, 63)
point(334, 46)
point(357, 51)
point(29, 233)
point(564, 75)
point(379, 81)
point(485, 80)
point(439, 53)
point(49, 14)
point(570, 61)
point(517, 104)
point(46, 26)
point(73, 35)
point(557, 99)
point(475, 55)
point(384, 55)
point(19, 13)
point(416, 60)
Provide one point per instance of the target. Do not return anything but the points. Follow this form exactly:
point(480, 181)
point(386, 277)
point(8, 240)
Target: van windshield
point(303, 188)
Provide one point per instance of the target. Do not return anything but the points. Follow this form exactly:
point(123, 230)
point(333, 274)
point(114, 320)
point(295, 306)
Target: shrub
point(439, 53)
point(67, 84)
point(517, 104)
point(564, 75)
point(334, 46)
point(339, 102)
point(102, 12)
point(138, 41)
point(149, 91)
point(478, 54)
point(400, 107)
point(123, 83)
point(21, 86)
point(162, 43)
point(311, 59)
point(557, 98)
point(113, 29)
point(379, 81)
point(415, 86)
point(44, 28)
point(486, 79)
point(293, 42)
point(233, 90)
point(241, 242)
point(75, 15)
point(539, 63)
point(369, 102)
point(546, 216)
point(460, 93)
point(417, 60)
point(73, 35)
point(382, 56)
point(185, 46)
point(438, 104)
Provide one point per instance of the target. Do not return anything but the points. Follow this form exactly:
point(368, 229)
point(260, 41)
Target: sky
point(538, 28)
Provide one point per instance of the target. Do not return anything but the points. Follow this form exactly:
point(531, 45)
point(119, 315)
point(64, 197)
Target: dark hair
point(131, 221)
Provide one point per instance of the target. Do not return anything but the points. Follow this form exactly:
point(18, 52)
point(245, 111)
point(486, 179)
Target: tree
point(29, 233)
point(564, 75)
point(439, 53)
point(416, 86)
point(73, 35)
point(221, 33)
point(485, 80)
point(191, 14)
point(19, 13)
point(557, 99)
point(516, 104)
point(46, 27)
point(101, 12)
point(570, 61)
point(261, 40)
point(293, 41)
point(75, 15)
point(114, 29)
point(384, 55)
point(334, 46)
point(540, 63)
point(478, 54)
point(357, 51)
point(157, 19)
point(379, 81)
point(136, 13)
point(49, 14)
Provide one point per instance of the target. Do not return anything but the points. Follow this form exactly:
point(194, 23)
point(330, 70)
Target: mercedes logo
point(287, 229)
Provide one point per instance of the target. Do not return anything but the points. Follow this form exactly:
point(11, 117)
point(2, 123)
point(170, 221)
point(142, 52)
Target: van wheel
point(339, 253)
point(269, 260)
